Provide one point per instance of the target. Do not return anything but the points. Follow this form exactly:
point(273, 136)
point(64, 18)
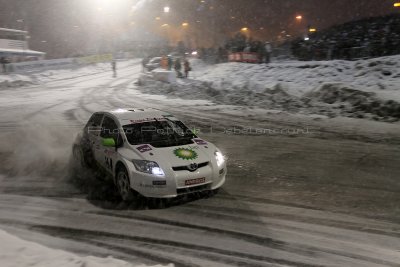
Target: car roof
point(137, 115)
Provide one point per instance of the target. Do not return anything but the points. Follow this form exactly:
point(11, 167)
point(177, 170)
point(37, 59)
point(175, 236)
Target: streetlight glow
point(299, 17)
point(166, 9)
point(396, 4)
point(312, 30)
point(244, 29)
point(185, 24)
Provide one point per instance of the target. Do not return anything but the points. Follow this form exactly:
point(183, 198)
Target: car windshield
point(159, 133)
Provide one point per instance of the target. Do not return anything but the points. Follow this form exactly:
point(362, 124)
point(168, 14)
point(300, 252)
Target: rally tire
point(123, 185)
point(78, 157)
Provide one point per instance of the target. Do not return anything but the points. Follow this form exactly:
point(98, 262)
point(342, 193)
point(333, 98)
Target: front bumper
point(177, 183)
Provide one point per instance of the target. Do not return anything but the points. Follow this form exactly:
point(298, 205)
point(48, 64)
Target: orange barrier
point(248, 57)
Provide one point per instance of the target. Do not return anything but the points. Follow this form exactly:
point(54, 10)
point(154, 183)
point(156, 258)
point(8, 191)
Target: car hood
point(198, 152)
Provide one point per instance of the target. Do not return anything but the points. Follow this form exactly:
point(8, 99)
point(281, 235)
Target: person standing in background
point(164, 63)
point(186, 67)
point(169, 58)
point(114, 67)
point(178, 67)
point(268, 51)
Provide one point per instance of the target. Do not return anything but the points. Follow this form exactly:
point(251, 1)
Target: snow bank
point(275, 97)
point(14, 80)
point(355, 103)
point(15, 252)
point(378, 74)
point(362, 89)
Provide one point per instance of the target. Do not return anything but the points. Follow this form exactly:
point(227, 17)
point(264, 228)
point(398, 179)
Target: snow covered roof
point(127, 115)
point(26, 52)
point(13, 30)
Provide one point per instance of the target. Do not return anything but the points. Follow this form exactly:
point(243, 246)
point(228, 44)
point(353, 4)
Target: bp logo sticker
point(185, 153)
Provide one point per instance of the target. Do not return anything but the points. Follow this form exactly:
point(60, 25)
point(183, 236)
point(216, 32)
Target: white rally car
point(150, 152)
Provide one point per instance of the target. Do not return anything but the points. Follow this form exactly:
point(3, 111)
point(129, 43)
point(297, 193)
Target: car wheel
point(79, 159)
point(123, 185)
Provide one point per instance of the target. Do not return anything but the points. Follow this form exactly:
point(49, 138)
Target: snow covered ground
point(360, 89)
point(15, 252)
point(14, 80)
point(325, 197)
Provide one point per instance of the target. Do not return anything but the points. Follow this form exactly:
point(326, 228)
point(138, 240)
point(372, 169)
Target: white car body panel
point(172, 160)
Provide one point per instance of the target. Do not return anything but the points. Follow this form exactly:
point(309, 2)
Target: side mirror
point(108, 142)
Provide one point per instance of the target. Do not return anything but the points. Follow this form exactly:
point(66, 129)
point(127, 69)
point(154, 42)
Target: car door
point(107, 156)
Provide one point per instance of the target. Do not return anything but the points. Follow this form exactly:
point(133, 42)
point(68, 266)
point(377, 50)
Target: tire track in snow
point(73, 233)
point(303, 249)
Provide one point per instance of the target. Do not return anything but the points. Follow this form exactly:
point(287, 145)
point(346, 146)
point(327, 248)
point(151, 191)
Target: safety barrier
point(248, 57)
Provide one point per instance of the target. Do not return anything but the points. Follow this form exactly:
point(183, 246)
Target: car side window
point(93, 125)
point(109, 129)
point(95, 120)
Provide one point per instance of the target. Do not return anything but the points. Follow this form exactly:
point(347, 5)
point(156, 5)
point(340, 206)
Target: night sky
point(76, 26)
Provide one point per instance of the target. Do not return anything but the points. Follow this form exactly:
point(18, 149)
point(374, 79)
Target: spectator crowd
point(372, 37)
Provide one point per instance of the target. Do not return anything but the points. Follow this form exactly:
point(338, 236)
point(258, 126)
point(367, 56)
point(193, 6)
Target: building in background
point(14, 46)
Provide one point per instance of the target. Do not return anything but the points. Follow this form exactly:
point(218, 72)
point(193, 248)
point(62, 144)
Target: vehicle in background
point(14, 46)
point(153, 63)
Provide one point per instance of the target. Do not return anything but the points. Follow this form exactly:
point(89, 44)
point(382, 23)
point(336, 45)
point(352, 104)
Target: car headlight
point(149, 167)
point(219, 157)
